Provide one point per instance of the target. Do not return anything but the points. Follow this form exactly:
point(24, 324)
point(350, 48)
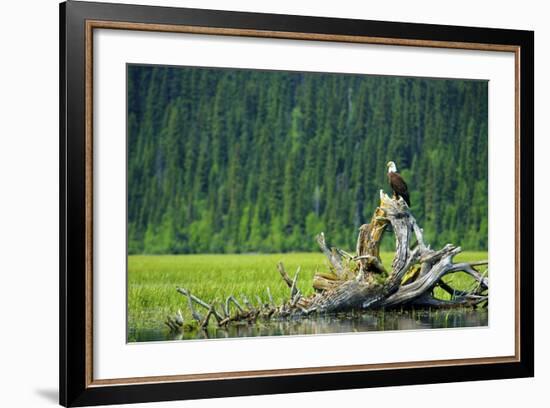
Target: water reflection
point(368, 321)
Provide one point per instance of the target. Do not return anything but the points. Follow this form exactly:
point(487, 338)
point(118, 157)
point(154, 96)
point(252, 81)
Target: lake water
point(364, 322)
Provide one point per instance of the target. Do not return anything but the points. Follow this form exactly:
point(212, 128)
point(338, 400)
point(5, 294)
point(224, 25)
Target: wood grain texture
point(118, 25)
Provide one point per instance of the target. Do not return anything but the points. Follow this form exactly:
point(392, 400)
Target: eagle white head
point(392, 168)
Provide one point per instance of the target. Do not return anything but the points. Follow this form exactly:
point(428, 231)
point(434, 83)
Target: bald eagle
point(397, 183)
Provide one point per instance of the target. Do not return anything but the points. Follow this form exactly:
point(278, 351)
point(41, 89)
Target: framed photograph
point(256, 203)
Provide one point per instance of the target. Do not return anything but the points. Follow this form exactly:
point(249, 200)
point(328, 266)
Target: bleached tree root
point(360, 281)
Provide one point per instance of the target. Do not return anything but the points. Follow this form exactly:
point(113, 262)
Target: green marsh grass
point(153, 279)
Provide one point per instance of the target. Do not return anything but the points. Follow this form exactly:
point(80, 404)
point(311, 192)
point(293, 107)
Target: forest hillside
point(236, 160)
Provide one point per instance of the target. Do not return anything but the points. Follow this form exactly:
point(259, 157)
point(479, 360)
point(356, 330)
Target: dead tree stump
point(360, 281)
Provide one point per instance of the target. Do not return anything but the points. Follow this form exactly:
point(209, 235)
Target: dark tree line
point(235, 160)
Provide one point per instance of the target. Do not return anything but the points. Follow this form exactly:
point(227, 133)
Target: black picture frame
point(76, 389)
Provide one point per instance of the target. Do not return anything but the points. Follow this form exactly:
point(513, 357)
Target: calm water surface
point(365, 322)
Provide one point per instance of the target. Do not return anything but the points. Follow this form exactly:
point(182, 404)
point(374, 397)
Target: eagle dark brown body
point(397, 184)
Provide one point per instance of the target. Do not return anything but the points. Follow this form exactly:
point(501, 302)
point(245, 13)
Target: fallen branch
point(362, 282)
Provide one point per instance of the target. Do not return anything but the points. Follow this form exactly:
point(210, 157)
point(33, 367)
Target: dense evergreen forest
point(236, 160)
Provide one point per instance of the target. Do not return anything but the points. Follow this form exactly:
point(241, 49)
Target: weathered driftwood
point(360, 281)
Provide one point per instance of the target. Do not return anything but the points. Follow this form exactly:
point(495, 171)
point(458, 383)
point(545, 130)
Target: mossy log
point(360, 281)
